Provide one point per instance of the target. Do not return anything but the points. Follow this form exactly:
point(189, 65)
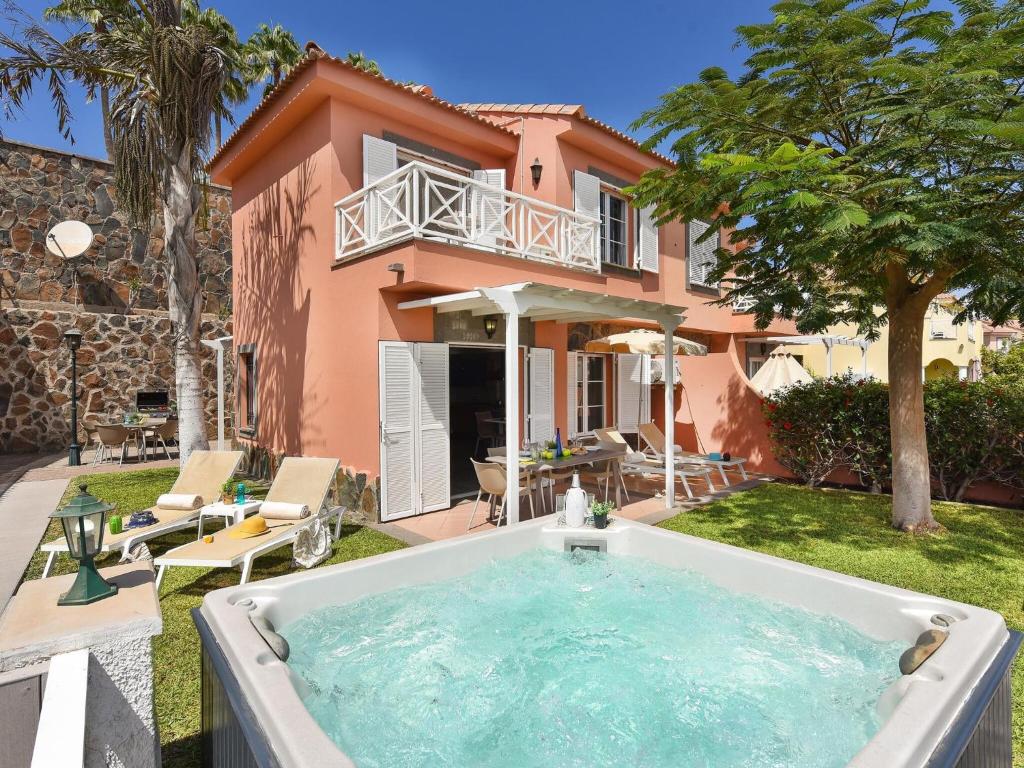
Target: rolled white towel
point(180, 501)
point(281, 510)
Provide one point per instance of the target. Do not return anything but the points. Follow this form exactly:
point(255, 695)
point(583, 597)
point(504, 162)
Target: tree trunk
point(108, 137)
point(217, 129)
point(911, 486)
point(181, 200)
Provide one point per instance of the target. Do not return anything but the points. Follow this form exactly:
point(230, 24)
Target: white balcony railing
point(422, 201)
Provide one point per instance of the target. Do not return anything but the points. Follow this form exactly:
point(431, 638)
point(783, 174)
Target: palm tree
point(359, 61)
point(166, 80)
point(271, 52)
point(237, 81)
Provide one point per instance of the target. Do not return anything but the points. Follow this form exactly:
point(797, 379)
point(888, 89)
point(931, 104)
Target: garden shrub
point(975, 431)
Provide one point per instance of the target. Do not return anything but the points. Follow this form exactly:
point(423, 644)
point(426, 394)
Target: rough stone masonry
point(115, 294)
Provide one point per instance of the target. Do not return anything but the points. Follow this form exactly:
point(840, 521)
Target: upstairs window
point(701, 255)
point(613, 229)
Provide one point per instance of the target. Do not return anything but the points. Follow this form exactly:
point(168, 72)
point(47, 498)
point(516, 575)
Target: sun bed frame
point(262, 546)
point(682, 471)
point(177, 520)
point(651, 434)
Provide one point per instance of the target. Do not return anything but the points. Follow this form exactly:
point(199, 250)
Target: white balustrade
point(422, 201)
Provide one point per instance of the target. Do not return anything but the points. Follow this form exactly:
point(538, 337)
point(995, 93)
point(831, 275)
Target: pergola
point(537, 301)
point(219, 345)
point(828, 341)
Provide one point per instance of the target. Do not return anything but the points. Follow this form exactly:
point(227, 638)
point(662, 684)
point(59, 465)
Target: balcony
point(426, 202)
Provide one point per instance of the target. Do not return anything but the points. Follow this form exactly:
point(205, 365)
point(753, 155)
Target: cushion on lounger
point(280, 510)
point(180, 501)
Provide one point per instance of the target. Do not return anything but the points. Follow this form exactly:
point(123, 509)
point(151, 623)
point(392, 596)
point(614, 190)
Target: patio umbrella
point(780, 370)
point(646, 342)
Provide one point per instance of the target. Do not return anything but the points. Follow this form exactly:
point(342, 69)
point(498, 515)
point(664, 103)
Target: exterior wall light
point(535, 171)
point(84, 519)
point(490, 326)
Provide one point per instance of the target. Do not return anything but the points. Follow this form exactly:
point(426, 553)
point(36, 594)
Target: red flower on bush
point(773, 407)
point(769, 423)
point(786, 425)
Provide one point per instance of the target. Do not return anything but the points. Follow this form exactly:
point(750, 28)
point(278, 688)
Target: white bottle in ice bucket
point(575, 503)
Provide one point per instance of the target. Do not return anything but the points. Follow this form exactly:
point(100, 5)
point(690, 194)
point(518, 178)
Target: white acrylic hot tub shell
point(917, 709)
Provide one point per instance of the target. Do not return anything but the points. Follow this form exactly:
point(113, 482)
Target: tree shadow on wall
point(273, 310)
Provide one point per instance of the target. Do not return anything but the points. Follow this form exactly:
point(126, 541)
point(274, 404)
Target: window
point(247, 373)
point(590, 393)
point(613, 229)
point(701, 255)
point(754, 365)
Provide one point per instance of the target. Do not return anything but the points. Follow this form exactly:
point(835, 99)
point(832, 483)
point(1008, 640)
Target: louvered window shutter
point(379, 159)
point(701, 255)
point(542, 395)
point(489, 208)
point(572, 400)
point(629, 392)
point(587, 194)
point(433, 440)
point(646, 240)
point(397, 382)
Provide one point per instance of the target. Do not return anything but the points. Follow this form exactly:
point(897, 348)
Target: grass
point(176, 651)
point(978, 560)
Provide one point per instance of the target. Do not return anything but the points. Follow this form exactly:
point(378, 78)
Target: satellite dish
point(69, 239)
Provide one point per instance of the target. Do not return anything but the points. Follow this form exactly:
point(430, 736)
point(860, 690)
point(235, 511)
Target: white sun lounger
point(682, 471)
point(655, 440)
point(204, 475)
point(300, 480)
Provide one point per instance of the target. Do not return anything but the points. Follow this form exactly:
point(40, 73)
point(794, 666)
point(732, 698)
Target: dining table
point(137, 432)
point(594, 455)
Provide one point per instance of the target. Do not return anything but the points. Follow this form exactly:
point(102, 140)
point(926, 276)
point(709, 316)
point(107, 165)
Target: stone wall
point(120, 355)
point(115, 294)
point(124, 268)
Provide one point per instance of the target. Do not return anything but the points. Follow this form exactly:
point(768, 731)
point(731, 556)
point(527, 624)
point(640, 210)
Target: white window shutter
point(380, 158)
point(542, 395)
point(586, 192)
point(572, 400)
point(433, 457)
point(646, 240)
point(489, 208)
point(645, 390)
point(397, 380)
point(701, 256)
point(630, 392)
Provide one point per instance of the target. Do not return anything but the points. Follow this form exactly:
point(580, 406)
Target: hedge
point(975, 432)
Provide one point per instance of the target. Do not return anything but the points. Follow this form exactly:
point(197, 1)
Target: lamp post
point(84, 519)
point(74, 339)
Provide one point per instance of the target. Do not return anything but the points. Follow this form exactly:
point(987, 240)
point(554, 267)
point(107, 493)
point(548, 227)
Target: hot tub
point(953, 711)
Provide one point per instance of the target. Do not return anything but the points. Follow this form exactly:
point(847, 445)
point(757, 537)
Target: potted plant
point(227, 494)
point(600, 511)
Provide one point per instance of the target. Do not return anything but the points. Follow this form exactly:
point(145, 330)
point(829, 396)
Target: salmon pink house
point(417, 281)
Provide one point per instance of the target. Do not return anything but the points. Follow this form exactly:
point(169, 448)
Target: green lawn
point(176, 651)
point(979, 560)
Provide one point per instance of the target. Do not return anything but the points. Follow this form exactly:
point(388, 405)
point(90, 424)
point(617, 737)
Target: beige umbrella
point(780, 370)
point(646, 342)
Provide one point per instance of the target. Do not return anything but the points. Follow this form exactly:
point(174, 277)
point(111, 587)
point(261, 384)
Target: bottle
point(240, 494)
point(558, 443)
point(575, 503)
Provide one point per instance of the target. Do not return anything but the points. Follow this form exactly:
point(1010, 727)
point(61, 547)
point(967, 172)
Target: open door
point(414, 428)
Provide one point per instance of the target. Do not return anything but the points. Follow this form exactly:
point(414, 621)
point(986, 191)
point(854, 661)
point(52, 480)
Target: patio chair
point(655, 440)
point(529, 473)
point(300, 481)
point(204, 475)
point(492, 479)
point(161, 434)
point(486, 431)
point(109, 437)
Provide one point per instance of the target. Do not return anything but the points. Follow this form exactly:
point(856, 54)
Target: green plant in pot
point(600, 510)
point(227, 493)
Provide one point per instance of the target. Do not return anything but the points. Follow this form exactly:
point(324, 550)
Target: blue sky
point(615, 58)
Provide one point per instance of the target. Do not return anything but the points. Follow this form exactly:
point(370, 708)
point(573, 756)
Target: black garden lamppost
point(74, 339)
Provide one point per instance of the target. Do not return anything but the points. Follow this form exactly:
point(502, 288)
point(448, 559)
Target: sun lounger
point(655, 440)
point(305, 481)
point(682, 471)
point(204, 475)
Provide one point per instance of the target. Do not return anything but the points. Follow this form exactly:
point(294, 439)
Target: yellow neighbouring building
point(950, 349)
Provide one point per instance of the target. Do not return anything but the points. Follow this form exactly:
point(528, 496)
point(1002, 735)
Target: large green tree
point(166, 82)
point(871, 154)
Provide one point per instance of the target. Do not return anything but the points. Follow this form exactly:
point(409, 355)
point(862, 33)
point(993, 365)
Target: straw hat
point(251, 526)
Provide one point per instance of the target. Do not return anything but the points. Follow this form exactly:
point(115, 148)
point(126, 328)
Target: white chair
point(492, 479)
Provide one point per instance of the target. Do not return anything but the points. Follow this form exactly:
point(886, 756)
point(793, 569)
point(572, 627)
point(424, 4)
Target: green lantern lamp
point(84, 519)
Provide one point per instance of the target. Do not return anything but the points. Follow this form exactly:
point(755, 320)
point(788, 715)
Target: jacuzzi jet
point(942, 620)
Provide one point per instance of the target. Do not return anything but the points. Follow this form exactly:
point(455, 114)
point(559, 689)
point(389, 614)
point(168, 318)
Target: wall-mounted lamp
point(535, 171)
point(490, 326)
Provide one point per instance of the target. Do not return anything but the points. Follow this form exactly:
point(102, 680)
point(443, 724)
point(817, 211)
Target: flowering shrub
point(975, 431)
